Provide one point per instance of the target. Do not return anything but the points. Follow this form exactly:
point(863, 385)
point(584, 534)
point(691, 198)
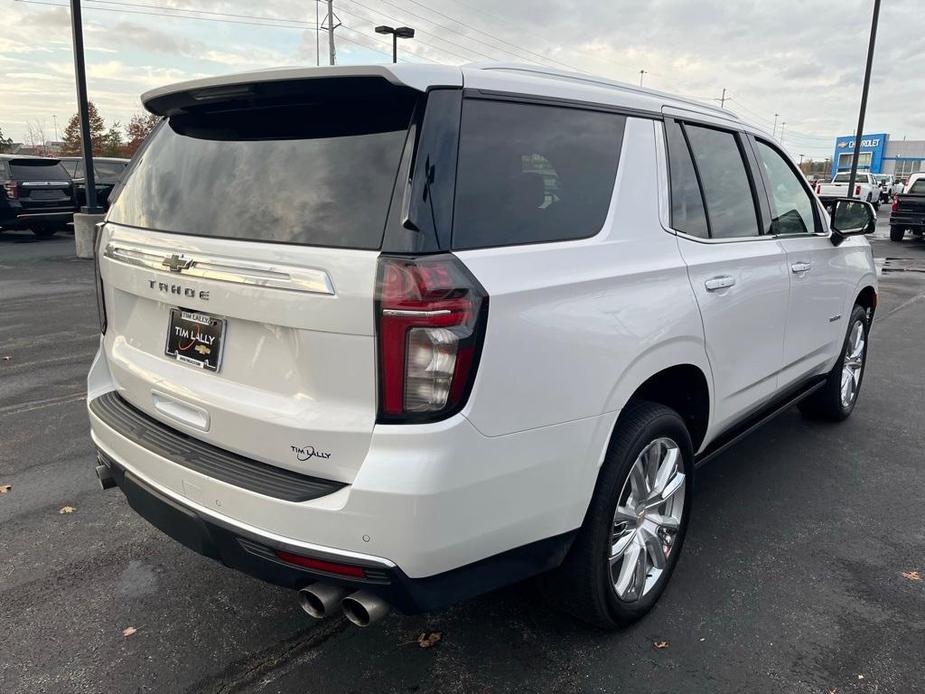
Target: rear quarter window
point(531, 173)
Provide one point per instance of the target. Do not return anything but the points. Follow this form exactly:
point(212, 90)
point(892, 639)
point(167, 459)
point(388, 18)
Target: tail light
point(857, 189)
point(894, 205)
point(100, 299)
point(818, 188)
point(11, 188)
point(431, 315)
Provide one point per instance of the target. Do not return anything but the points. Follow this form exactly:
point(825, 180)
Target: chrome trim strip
point(414, 314)
point(222, 269)
point(252, 532)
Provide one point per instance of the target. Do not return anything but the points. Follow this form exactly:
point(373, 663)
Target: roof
point(509, 77)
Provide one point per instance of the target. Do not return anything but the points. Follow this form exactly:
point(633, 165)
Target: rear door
point(738, 273)
point(819, 277)
point(238, 265)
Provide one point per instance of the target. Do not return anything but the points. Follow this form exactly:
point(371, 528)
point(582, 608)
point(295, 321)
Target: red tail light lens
point(431, 317)
point(857, 189)
point(11, 188)
point(818, 188)
point(895, 203)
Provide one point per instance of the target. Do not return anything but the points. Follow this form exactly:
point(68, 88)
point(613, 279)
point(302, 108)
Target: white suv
point(402, 335)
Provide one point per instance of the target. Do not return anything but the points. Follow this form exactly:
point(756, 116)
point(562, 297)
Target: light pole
point(397, 33)
point(80, 73)
point(642, 73)
point(860, 132)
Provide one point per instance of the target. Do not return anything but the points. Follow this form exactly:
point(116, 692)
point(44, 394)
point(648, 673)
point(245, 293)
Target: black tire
point(897, 232)
point(583, 585)
point(43, 232)
point(826, 403)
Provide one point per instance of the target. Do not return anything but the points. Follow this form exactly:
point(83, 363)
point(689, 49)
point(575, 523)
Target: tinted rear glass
point(103, 171)
point(530, 173)
point(316, 174)
point(38, 170)
point(918, 188)
point(846, 178)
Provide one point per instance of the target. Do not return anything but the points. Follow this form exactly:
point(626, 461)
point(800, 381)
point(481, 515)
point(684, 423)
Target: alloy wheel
point(853, 364)
point(647, 519)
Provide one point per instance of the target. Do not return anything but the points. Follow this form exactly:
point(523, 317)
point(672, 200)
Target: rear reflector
point(320, 565)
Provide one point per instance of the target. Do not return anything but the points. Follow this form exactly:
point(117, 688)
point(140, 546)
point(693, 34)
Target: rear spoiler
point(320, 82)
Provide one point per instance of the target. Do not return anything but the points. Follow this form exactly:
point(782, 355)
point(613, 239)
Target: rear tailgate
point(44, 185)
point(239, 264)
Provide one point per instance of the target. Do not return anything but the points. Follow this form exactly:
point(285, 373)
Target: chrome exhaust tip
point(319, 599)
point(364, 608)
point(104, 475)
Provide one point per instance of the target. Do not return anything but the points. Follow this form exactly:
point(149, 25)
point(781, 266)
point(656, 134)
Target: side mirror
point(851, 217)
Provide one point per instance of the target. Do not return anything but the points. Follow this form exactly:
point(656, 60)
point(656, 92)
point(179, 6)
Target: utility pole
point(774, 129)
point(860, 132)
point(801, 159)
point(317, 35)
point(80, 72)
point(722, 100)
point(54, 119)
point(781, 138)
point(332, 23)
point(642, 73)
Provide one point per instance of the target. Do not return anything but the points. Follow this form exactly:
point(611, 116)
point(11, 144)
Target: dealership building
point(880, 155)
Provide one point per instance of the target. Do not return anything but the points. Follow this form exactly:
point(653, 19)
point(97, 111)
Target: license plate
point(45, 195)
point(195, 338)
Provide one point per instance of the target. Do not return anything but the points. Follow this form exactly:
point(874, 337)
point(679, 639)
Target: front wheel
point(631, 538)
point(44, 232)
point(897, 233)
point(836, 399)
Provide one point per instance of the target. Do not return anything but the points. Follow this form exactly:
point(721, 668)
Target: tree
point(112, 142)
point(99, 137)
point(138, 128)
point(5, 143)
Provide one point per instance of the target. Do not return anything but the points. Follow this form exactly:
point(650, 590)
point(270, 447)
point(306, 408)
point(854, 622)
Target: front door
point(818, 291)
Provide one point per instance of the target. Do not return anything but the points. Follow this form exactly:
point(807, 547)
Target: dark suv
point(107, 172)
point(37, 194)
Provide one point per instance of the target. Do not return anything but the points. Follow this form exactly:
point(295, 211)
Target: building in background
point(880, 155)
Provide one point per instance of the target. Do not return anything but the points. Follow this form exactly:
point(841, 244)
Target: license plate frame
point(196, 339)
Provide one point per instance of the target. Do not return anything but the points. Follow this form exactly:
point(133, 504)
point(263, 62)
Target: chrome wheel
point(647, 519)
point(853, 364)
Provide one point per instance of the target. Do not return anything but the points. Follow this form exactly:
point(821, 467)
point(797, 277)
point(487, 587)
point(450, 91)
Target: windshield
point(317, 174)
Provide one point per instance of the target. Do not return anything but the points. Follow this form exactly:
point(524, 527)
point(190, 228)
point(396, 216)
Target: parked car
point(37, 194)
point(912, 179)
point(107, 172)
point(352, 344)
point(865, 188)
point(908, 212)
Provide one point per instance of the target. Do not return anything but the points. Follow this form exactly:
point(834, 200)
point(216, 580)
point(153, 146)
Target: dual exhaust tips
point(320, 600)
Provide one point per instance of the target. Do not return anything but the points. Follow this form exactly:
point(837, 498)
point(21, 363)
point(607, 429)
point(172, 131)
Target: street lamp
point(397, 33)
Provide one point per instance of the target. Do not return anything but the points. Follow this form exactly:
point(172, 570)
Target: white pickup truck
point(865, 188)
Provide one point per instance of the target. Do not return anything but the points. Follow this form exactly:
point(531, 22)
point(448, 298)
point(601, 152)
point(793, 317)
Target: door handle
point(801, 267)
point(721, 282)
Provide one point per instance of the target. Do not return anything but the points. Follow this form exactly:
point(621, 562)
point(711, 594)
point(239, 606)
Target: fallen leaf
point(660, 644)
point(833, 691)
point(860, 677)
point(7, 357)
point(912, 575)
point(67, 509)
point(429, 639)
point(128, 631)
point(4, 488)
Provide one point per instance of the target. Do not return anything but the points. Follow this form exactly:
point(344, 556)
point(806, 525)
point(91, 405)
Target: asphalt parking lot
point(792, 577)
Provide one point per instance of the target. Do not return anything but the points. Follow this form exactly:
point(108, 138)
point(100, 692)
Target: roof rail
point(554, 73)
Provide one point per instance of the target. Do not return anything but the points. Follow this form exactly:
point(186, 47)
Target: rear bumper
point(907, 220)
point(446, 511)
point(253, 553)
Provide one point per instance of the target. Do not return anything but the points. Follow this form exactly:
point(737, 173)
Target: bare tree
point(35, 136)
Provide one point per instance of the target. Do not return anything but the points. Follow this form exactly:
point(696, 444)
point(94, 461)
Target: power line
point(490, 35)
point(195, 10)
point(435, 36)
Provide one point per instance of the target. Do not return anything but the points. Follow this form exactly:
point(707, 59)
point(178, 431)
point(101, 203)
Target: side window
point(687, 212)
point(791, 206)
point(529, 173)
point(726, 187)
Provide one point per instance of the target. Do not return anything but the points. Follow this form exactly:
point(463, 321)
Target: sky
point(801, 59)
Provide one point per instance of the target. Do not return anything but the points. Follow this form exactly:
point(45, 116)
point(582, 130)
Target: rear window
point(104, 171)
point(845, 178)
point(918, 188)
point(530, 173)
point(315, 174)
point(38, 170)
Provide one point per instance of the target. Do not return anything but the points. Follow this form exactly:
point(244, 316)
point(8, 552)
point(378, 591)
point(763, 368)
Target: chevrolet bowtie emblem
point(177, 263)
